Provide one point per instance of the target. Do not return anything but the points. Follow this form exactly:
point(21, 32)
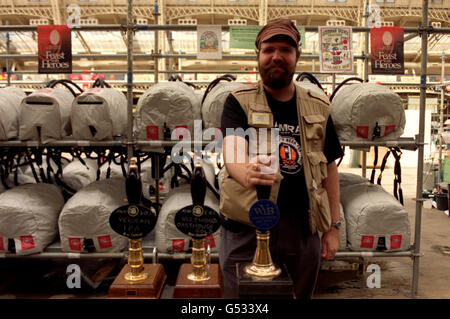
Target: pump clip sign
point(54, 49)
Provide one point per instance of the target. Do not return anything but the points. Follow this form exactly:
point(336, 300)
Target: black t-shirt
point(293, 196)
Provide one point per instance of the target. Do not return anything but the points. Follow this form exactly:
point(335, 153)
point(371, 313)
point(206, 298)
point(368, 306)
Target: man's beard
point(276, 79)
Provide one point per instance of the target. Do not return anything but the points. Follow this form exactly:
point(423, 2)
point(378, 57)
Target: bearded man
point(301, 170)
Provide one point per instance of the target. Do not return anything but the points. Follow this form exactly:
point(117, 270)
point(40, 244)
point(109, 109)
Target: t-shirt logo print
point(290, 156)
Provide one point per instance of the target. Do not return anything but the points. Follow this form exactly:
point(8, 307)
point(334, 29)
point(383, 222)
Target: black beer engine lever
point(133, 184)
point(198, 186)
point(263, 191)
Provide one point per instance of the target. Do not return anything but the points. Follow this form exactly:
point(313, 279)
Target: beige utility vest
point(313, 111)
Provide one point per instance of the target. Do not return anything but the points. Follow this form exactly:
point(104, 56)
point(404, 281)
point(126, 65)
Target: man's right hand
point(248, 172)
point(260, 171)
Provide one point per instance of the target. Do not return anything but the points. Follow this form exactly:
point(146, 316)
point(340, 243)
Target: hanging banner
point(386, 47)
point(244, 36)
point(336, 49)
point(302, 37)
point(54, 49)
point(209, 42)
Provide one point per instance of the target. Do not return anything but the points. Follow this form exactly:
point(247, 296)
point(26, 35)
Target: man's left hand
point(330, 243)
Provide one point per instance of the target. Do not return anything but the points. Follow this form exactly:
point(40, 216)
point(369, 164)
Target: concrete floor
point(30, 278)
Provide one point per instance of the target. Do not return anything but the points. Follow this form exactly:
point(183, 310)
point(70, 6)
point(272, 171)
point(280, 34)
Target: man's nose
point(276, 55)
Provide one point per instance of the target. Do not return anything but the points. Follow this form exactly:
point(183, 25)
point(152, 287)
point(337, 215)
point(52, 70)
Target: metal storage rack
point(129, 144)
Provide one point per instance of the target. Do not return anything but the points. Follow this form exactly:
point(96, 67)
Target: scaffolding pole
point(178, 27)
point(130, 27)
point(441, 118)
point(420, 156)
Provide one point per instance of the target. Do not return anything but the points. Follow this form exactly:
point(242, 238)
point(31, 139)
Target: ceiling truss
point(177, 12)
point(250, 12)
point(347, 13)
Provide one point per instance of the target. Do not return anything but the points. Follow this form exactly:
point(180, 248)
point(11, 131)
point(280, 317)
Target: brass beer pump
point(199, 279)
point(262, 267)
point(262, 278)
point(198, 261)
point(135, 261)
point(136, 279)
point(135, 255)
point(198, 258)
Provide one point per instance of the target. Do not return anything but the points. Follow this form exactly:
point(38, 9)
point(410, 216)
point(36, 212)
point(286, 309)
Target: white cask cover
point(29, 215)
point(99, 114)
point(86, 216)
point(46, 112)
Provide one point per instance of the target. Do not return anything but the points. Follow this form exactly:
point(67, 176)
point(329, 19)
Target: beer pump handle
point(263, 191)
point(198, 185)
point(133, 185)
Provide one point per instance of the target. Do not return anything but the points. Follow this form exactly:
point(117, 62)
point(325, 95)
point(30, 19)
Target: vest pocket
point(314, 126)
point(319, 206)
point(322, 217)
point(318, 162)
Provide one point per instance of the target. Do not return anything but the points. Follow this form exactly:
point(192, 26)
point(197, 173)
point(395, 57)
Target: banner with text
point(209, 42)
point(386, 47)
point(336, 53)
point(244, 36)
point(54, 49)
